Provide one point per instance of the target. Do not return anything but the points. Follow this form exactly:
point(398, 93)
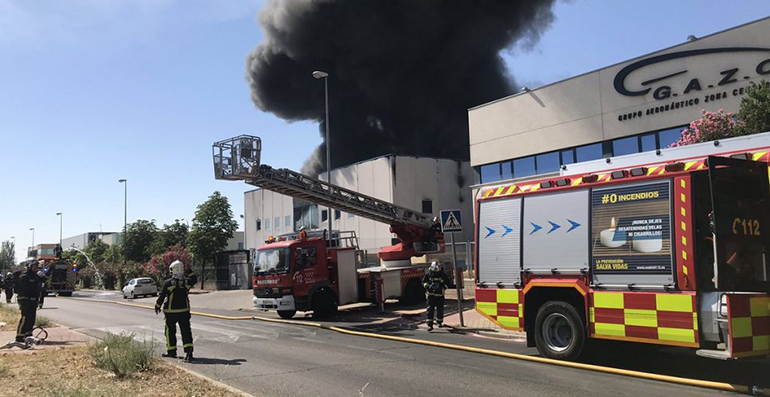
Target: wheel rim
point(557, 332)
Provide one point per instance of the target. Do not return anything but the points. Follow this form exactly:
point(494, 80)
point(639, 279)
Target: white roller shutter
point(499, 241)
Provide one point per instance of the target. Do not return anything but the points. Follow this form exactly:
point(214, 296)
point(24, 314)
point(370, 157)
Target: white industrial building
point(81, 240)
point(639, 105)
point(424, 184)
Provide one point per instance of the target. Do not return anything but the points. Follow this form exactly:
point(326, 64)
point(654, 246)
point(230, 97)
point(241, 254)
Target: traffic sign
point(451, 221)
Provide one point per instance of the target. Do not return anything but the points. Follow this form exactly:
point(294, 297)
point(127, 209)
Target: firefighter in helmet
point(28, 291)
point(8, 287)
point(175, 302)
point(435, 283)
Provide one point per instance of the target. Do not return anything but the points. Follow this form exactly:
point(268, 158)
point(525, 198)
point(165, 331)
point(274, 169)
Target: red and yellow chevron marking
point(656, 170)
point(684, 240)
point(748, 317)
point(649, 317)
point(695, 165)
point(504, 307)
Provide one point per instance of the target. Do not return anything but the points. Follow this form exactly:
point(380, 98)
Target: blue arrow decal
point(574, 225)
point(536, 228)
point(507, 230)
point(491, 231)
point(553, 227)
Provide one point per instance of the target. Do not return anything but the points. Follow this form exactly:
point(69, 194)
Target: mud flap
point(748, 317)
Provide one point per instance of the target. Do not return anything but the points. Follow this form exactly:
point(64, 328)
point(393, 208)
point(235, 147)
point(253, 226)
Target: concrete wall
point(260, 205)
point(588, 108)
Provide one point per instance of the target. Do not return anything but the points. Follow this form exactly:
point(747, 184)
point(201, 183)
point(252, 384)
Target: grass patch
point(122, 355)
point(10, 316)
point(71, 372)
point(43, 321)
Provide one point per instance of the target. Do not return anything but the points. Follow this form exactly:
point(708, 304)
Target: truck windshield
point(272, 261)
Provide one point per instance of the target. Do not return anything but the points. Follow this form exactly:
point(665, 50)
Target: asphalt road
point(287, 360)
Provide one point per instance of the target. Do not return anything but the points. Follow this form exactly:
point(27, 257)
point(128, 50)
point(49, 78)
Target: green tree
point(138, 240)
point(96, 250)
point(113, 254)
point(7, 255)
point(755, 110)
point(169, 236)
point(212, 227)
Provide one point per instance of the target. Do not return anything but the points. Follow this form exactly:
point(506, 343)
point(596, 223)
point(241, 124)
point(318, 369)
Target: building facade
point(81, 240)
point(635, 106)
point(424, 184)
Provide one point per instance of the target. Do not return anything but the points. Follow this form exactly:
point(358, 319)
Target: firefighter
point(8, 287)
point(43, 291)
point(28, 292)
point(175, 302)
point(435, 283)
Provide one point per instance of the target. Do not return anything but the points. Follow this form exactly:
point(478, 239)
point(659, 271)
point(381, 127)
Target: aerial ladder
point(238, 158)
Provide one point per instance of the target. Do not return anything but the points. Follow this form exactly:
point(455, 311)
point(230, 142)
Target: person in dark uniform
point(8, 287)
point(175, 302)
point(43, 290)
point(435, 283)
point(28, 291)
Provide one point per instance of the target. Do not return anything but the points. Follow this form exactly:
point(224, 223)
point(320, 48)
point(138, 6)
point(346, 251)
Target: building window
point(324, 215)
point(277, 222)
point(240, 245)
point(623, 146)
point(259, 224)
point(267, 224)
point(548, 162)
point(649, 142)
point(287, 221)
point(669, 137)
point(568, 156)
point(490, 173)
point(507, 170)
point(588, 152)
point(427, 206)
point(337, 214)
point(350, 215)
point(524, 167)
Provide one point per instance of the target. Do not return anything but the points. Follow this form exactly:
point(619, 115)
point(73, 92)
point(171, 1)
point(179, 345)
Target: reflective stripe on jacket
point(177, 291)
point(438, 278)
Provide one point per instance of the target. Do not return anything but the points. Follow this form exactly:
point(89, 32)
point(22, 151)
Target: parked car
point(140, 287)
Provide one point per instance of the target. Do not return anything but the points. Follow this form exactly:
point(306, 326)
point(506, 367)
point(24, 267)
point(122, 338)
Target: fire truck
point(321, 271)
point(61, 276)
point(668, 247)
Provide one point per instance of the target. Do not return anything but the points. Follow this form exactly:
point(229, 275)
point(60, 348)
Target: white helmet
point(434, 267)
point(176, 269)
point(40, 273)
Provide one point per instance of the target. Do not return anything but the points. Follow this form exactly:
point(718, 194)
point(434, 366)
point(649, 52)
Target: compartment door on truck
point(556, 233)
point(499, 241)
point(741, 216)
point(631, 235)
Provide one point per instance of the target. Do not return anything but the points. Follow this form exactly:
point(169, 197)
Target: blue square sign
point(451, 221)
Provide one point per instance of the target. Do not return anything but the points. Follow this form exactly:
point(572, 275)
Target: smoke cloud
point(402, 73)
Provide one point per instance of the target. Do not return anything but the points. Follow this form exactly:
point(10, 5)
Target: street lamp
point(33, 236)
point(125, 215)
point(61, 218)
point(323, 75)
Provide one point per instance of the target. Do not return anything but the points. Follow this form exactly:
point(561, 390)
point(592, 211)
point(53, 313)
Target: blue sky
point(92, 91)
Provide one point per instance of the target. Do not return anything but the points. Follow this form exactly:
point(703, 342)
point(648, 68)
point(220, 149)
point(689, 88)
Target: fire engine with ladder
point(669, 247)
point(320, 271)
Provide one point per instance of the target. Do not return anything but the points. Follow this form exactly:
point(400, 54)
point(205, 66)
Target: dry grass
point(72, 373)
point(10, 316)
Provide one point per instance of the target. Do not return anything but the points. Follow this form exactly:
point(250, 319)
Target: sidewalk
point(476, 323)
point(58, 338)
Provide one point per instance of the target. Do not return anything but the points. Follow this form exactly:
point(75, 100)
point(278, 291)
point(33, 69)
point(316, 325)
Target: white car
point(140, 287)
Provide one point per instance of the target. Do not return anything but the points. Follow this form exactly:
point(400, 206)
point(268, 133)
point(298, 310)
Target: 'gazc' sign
point(667, 82)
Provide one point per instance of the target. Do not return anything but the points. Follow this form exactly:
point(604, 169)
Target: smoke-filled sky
point(402, 73)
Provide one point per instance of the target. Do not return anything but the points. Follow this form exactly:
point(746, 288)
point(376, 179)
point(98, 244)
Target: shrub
point(755, 109)
point(42, 321)
point(710, 127)
point(122, 355)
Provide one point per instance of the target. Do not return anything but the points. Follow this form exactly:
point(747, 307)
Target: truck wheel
point(559, 331)
point(324, 305)
point(413, 293)
point(286, 314)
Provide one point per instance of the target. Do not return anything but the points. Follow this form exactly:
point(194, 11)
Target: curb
point(751, 390)
point(210, 380)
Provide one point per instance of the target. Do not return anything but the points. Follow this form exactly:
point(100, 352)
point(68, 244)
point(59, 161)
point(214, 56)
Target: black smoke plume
point(402, 73)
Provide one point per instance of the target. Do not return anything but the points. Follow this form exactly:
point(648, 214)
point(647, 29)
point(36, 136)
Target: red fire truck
point(319, 272)
point(668, 248)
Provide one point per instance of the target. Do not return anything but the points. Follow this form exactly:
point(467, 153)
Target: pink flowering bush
point(711, 126)
point(157, 267)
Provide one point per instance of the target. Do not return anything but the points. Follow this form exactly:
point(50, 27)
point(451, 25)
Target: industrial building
point(81, 240)
point(424, 184)
point(635, 106)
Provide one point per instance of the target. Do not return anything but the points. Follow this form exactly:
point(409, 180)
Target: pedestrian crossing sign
point(451, 221)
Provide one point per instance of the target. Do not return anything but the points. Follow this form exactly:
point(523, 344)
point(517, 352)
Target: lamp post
point(125, 215)
point(325, 76)
point(61, 220)
point(33, 235)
